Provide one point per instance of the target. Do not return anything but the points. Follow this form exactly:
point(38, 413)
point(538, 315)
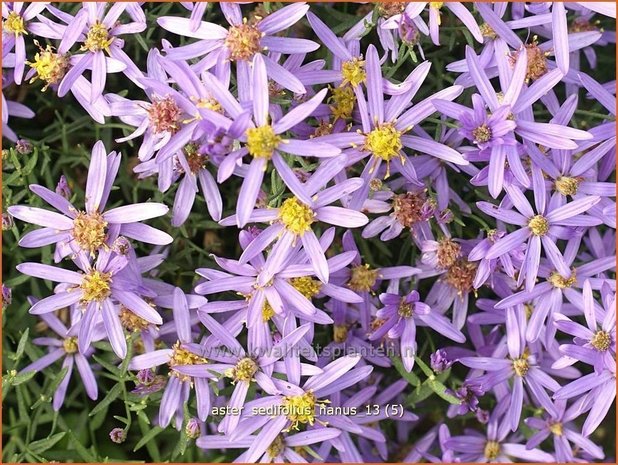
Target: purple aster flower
point(183, 352)
point(66, 346)
point(562, 431)
point(95, 291)
point(400, 316)
point(93, 229)
point(16, 17)
point(521, 367)
point(593, 345)
point(439, 361)
point(148, 382)
point(242, 367)
point(538, 230)
point(468, 394)
point(495, 445)
point(98, 28)
point(384, 125)
point(242, 42)
point(118, 435)
point(23, 147)
point(298, 405)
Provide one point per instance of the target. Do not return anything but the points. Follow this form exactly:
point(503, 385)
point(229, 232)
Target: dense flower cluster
point(306, 340)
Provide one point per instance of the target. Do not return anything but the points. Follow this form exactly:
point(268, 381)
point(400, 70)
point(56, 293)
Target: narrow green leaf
point(111, 396)
point(147, 437)
point(409, 377)
point(36, 447)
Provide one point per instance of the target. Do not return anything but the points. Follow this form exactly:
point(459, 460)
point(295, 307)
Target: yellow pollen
point(131, 321)
point(307, 286)
point(521, 366)
point(296, 216)
point(343, 100)
point(448, 252)
point(601, 341)
point(492, 450)
point(353, 71)
point(262, 141)
point(538, 225)
point(557, 280)
point(181, 356)
point(14, 24)
point(556, 428)
point(537, 61)
point(97, 38)
point(487, 31)
point(405, 309)
point(243, 41)
point(567, 186)
point(301, 409)
point(89, 231)
point(384, 142)
point(388, 9)
point(481, 134)
point(362, 278)
point(276, 447)
point(70, 345)
point(50, 67)
point(340, 333)
point(244, 370)
point(436, 5)
point(96, 286)
point(267, 311)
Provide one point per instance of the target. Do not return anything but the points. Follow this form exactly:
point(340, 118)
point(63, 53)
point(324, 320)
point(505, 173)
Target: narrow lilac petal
point(496, 170)
point(45, 361)
point(299, 113)
point(99, 75)
point(95, 183)
point(76, 71)
point(90, 382)
point(435, 149)
point(87, 326)
point(184, 200)
point(485, 363)
point(170, 400)
point(283, 18)
point(145, 233)
point(41, 217)
point(138, 306)
point(343, 217)
point(55, 200)
point(328, 38)
point(508, 243)
point(61, 391)
point(55, 302)
point(537, 89)
point(560, 36)
point(249, 191)
point(136, 212)
point(572, 209)
point(480, 79)
point(443, 326)
point(517, 398)
point(150, 359)
point(182, 26)
point(555, 257)
point(39, 270)
point(316, 255)
point(309, 148)
point(114, 330)
point(265, 437)
point(260, 91)
point(508, 216)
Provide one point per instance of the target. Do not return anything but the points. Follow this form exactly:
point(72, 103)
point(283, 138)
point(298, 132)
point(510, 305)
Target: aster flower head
point(92, 229)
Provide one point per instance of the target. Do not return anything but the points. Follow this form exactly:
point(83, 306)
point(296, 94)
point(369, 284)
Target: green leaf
point(440, 389)
point(31, 164)
point(42, 445)
point(52, 388)
point(147, 437)
point(409, 377)
point(111, 396)
point(22, 378)
point(81, 450)
point(20, 346)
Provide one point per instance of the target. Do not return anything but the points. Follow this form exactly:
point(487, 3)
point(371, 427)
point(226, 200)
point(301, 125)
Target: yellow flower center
point(243, 41)
point(301, 409)
point(296, 216)
point(537, 61)
point(244, 370)
point(96, 286)
point(388, 9)
point(209, 104)
point(557, 280)
point(276, 447)
point(481, 134)
point(556, 428)
point(89, 231)
point(97, 38)
point(601, 341)
point(362, 278)
point(436, 5)
point(50, 67)
point(181, 356)
point(70, 345)
point(343, 100)
point(131, 321)
point(262, 141)
point(307, 286)
point(521, 365)
point(487, 31)
point(405, 309)
point(384, 142)
point(567, 186)
point(492, 450)
point(14, 24)
point(267, 311)
point(538, 225)
point(340, 333)
point(353, 71)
